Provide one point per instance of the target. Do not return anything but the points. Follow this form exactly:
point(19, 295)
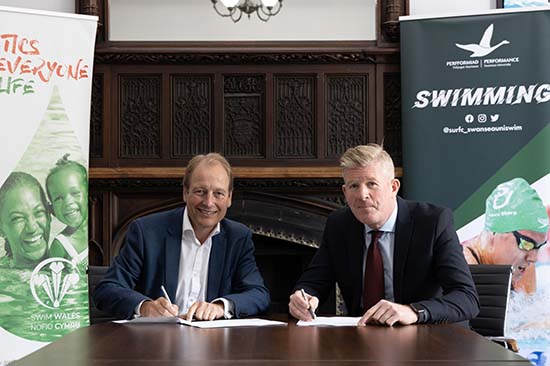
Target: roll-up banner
point(46, 62)
point(476, 138)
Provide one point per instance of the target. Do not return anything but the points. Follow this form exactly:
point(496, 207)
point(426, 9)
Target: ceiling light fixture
point(234, 9)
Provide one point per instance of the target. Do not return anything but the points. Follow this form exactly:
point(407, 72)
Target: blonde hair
point(207, 159)
point(364, 155)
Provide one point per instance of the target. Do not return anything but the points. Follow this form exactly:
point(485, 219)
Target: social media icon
point(469, 118)
point(482, 118)
point(494, 117)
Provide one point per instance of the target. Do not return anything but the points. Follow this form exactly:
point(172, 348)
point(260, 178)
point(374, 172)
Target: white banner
point(46, 62)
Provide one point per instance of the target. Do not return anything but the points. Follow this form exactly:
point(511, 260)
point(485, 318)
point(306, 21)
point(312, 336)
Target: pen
point(309, 306)
point(166, 295)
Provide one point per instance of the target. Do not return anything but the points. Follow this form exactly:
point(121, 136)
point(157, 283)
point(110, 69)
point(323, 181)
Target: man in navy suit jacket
point(424, 279)
point(204, 262)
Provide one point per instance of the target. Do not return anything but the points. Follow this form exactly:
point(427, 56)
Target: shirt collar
point(187, 228)
point(389, 225)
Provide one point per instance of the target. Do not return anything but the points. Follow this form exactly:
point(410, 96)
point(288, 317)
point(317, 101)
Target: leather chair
point(95, 274)
point(493, 284)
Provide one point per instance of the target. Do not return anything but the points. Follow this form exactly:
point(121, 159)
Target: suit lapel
point(215, 264)
point(356, 250)
point(172, 253)
point(403, 235)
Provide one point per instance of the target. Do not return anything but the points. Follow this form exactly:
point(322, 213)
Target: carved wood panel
point(96, 117)
point(346, 113)
point(140, 116)
point(273, 116)
point(244, 116)
point(295, 116)
point(192, 118)
point(392, 116)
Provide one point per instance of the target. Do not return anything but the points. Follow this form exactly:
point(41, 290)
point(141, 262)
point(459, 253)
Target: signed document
point(222, 323)
point(333, 321)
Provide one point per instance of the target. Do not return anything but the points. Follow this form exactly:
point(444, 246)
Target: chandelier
point(234, 9)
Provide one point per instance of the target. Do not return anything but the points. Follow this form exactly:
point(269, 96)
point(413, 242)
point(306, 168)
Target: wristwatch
point(420, 312)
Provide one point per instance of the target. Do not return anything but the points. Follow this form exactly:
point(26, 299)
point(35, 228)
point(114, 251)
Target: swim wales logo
point(52, 280)
point(478, 52)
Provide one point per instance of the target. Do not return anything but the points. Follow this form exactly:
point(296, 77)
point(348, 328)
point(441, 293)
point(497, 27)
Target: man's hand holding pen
point(302, 306)
point(163, 306)
point(158, 307)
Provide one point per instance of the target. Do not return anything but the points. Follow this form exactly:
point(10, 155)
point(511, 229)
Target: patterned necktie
point(373, 288)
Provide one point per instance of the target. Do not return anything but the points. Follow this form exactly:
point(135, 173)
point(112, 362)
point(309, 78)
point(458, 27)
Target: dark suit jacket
point(429, 268)
point(150, 258)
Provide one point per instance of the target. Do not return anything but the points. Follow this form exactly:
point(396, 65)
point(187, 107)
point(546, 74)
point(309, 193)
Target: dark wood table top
point(172, 344)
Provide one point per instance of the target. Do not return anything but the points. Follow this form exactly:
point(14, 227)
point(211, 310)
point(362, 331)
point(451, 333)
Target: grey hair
point(208, 159)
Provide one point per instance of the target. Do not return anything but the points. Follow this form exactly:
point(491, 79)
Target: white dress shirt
point(386, 245)
point(193, 270)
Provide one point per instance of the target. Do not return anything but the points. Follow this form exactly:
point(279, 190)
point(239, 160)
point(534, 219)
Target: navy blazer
point(429, 268)
point(150, 258)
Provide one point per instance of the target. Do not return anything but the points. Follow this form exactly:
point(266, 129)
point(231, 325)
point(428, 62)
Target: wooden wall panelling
point(100, 116)
point(346, 112)
point(100, 227)
point(374, 124)
point(388, 107)
point(165, 117)
point(387, 30)
point(191, 113)
point(107, 223)
point(140, 116)
point(95, 229)
point(96, 116)
point(320, 113)
point(244, 115)
point(291, 92)
point(269, 122)
point(240, 119)
point(218, 134)
point(361, 79)
point(295, 122)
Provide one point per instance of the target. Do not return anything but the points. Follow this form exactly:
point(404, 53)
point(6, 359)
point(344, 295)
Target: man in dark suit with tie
point(193, 256)
point(395, 261)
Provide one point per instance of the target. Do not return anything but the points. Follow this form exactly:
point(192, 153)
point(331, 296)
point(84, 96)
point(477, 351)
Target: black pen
point(311, 312)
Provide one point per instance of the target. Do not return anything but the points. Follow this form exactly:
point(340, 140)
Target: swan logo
point(483, 48)
point(52, 280)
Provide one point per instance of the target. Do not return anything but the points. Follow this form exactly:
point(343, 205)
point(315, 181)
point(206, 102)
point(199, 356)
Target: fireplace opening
point(281, 264)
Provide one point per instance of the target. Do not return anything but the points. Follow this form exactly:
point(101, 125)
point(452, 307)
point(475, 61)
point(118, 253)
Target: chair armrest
point(508, 343)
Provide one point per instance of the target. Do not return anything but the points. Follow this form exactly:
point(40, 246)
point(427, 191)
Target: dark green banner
point(464, 116)
point(476, 138)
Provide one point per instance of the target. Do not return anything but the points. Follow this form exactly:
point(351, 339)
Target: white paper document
point(235, 323)
point(254, 322)
point(334, 321)
point(154, 320)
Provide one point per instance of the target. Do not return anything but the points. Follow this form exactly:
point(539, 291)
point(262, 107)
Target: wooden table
point(170, 344)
